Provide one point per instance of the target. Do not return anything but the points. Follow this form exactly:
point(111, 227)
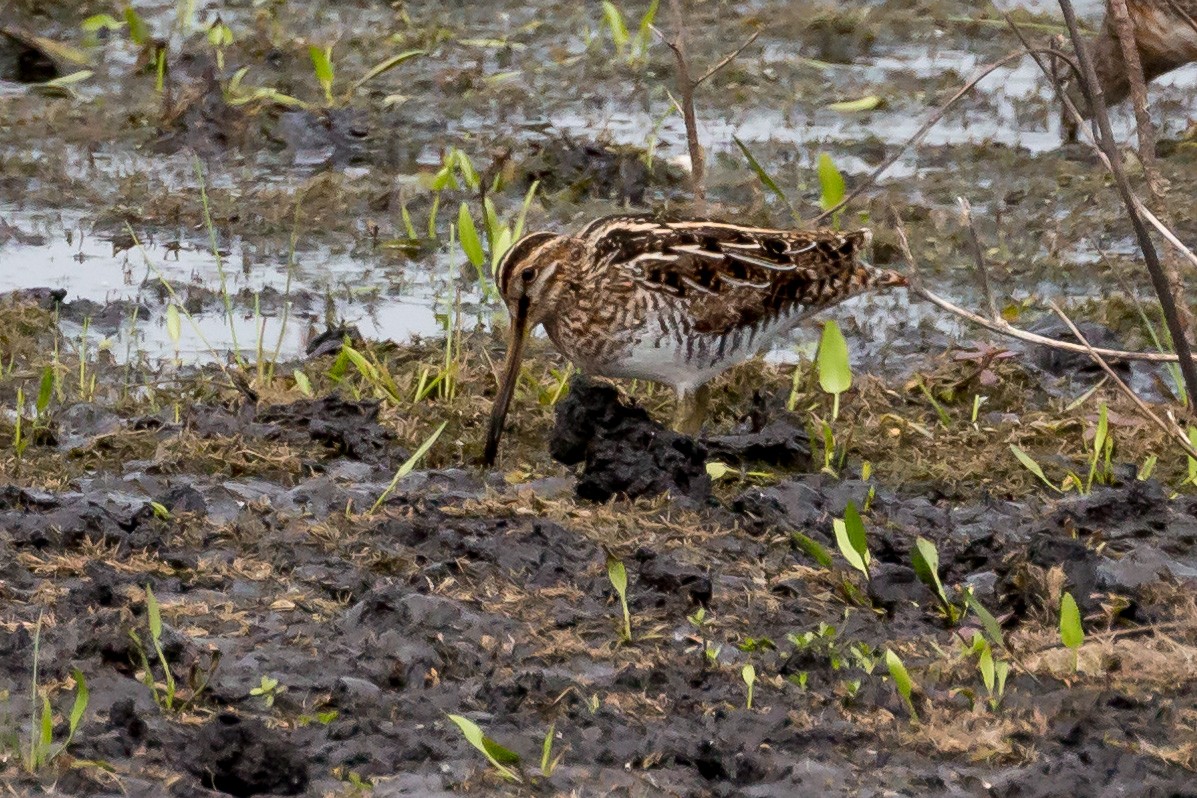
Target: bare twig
point(1172, 430)
point(1180, 12)
point(1128, 40)
point(1075, 115)
point(966, 215)
point(1000, 325)
point(727, 59)
point(931, 122)
point(1159, 280)
point(1003, 327)
point(686, 84)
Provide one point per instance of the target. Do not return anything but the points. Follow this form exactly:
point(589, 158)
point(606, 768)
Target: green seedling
point(835, 371)
point(407, 466)
point(139, 31)
point(498, 756)
point(374, 373)
point(795, 387)
point(925, 558)
point(978, 400)
point(1072, 633)
point(717, 471)
point(748, 673)
point(831, 186)
point(167, 695)
point(812, 548)
point(902, 681)
point(767, 180)
point(101, 22)
point(699, 620)
point(19, 440)
point(471, 244)
point(1103, 449)
point(1145, 470)
point(869, 102)
point(852, 540)
point(828, 448)
point(988, 622)
point(41, 751)
point(993, 672)
point(165, 699)
point(1192, 434)
point(944, 419)
point(1029, 464)
point(322, 65)
point(634, 49)
point(549, 763)
point(268, 689)
point(302, 383)
point(619, 581)
point(174, 328)
point(220, 36)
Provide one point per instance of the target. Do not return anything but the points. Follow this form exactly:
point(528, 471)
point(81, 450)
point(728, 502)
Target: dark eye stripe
point(520, 250)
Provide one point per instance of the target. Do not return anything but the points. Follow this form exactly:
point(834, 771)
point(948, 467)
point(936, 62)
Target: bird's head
point(529, 278)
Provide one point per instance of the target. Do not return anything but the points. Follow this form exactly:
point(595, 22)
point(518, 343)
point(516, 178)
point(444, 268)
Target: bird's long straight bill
point(511, 371)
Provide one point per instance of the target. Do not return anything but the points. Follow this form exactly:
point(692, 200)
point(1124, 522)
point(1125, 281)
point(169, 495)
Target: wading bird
point(674, 302)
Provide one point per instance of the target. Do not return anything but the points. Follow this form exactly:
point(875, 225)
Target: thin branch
point(1171, 430)
point(1128, 40)
point(1159, 279)
point(1001, 326)
point(966, 215)
point(1129, 44)
point(1005, 328)
point(1075, 115)
point(931, 122)
point(1180, 12)
point(686, 85)
point(727, 59)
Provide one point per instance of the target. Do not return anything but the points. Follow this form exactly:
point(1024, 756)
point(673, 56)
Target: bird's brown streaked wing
point(731, 275)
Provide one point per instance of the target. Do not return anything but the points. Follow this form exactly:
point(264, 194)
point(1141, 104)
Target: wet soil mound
point(243, 758)
point(623, 451)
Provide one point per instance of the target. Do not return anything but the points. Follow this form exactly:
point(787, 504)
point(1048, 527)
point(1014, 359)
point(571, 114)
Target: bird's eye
point(528, 275)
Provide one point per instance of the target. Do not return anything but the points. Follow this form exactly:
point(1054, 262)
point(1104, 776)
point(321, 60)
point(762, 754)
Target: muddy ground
point(321, 619)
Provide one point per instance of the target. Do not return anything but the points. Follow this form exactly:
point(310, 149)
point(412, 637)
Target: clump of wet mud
point(623, 451)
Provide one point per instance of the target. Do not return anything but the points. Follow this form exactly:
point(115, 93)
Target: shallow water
point(390, 298)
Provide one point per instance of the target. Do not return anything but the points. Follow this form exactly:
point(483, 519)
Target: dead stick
point(966, 215)
point(1075, 115)
point(685, 87)
point(1128, 41)
point(1180, 12)
point(1171, 430)
point(1003, 327)
point(1159, 280)
point(931, 122)
point(727, 59)
point(1010, 331)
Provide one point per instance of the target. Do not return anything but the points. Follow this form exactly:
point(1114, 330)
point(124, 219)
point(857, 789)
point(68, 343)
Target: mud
point(457, 600)
point(328, 597)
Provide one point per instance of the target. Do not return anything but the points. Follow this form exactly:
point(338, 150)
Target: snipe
point(674, 302)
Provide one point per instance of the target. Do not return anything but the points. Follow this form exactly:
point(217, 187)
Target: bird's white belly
point(687, 362)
